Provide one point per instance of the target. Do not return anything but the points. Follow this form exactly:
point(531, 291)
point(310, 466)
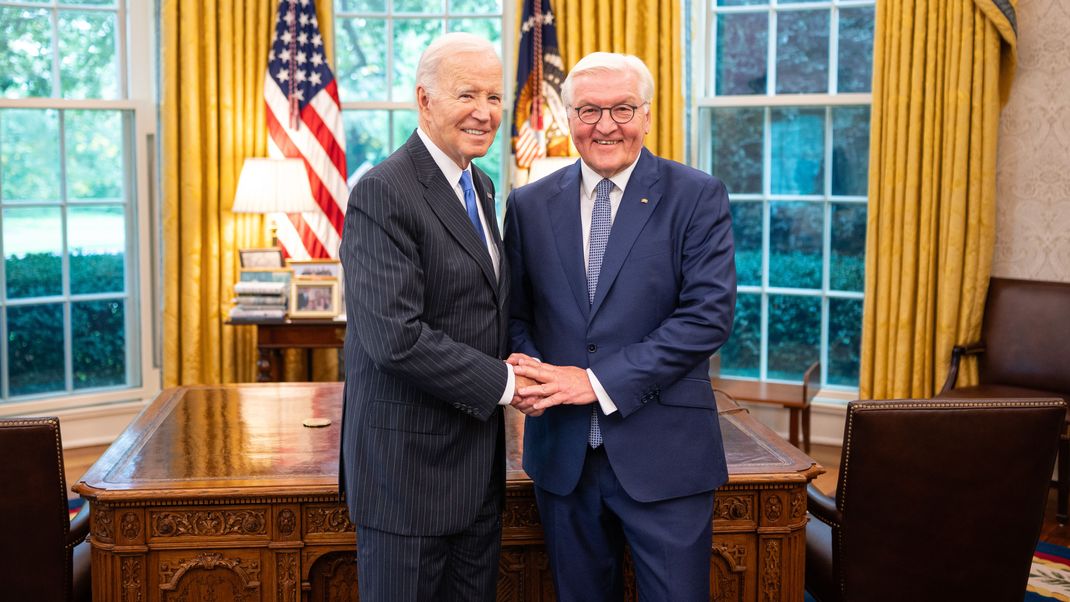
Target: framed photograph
point(261, 258)
point(316, 268)
point(314, 298)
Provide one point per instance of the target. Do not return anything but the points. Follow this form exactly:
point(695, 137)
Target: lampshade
point(273, 186)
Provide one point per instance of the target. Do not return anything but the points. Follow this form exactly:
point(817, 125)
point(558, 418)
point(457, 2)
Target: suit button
point(592, 348)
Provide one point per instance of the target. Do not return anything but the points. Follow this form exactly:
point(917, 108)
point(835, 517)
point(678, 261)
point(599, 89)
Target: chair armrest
point(79, 527)
point(822, 506)
point(956, 356)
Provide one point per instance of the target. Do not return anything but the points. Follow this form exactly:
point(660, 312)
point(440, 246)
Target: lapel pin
point(644, 201)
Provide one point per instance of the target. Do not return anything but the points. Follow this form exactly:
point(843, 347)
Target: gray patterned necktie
point(601, 222)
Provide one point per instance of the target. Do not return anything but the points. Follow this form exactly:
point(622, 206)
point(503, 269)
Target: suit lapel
point(565, 222)
point(638, 204)
point(442, 199)
point(486, 198)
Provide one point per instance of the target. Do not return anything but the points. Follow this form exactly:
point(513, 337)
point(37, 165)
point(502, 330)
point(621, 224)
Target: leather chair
point(936, 500)
point(44, 554)
point(1024, 352)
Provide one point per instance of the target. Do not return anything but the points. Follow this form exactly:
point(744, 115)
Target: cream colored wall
point(1033, 161)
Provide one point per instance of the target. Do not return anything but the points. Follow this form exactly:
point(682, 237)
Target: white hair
point(612, 62)
point(443, 47)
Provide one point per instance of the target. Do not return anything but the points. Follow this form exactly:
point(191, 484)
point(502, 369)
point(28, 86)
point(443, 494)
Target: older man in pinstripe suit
point(426, 296)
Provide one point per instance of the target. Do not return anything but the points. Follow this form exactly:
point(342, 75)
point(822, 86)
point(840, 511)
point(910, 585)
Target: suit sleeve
point(385, 282)
point(520, 299)
point(702, 320)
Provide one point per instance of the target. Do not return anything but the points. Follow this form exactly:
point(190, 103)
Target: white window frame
point(702, 94)
point(137, 54)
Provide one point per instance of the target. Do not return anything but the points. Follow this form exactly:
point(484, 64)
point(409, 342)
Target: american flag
point(304, 121)
point(540, 121)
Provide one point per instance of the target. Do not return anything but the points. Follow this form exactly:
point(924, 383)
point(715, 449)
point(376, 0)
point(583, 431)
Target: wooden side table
point(273, 337)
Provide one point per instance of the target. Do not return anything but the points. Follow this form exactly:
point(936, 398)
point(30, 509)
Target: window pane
point(89, 61)
point(795, 236)
point(35, 349)
point(798, 153)
point(845, 341)
point(90, 2)
point(29, 154)
point(802, 55)
point(362, 6)
point(747, 235)
point(403, 127)
point(736, 148)
point(476, 7)
point(850, 151)
point(794, 335)
point(855, 71)
point(33, 246)
point(847, 266)
point(417, 6)
point(741, 356)
point(98, 344)
point(94, 155)
point(97, 243)
point(740, 2)
point(25, 52)
point(489, 29)
point(361, 58)
point(411, 37)
point(367, 134)
point(742, 43)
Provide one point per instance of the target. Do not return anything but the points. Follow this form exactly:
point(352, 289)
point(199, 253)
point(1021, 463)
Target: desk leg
point(263, 365)
point(806, 428)
point(793, 427)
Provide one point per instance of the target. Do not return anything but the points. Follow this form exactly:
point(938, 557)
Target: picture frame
point(314, 298)
point(316, 268)
point(270, 257)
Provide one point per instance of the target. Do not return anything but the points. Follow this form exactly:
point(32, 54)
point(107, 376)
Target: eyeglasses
point(621, 114)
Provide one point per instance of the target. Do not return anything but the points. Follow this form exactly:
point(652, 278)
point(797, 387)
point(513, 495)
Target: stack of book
point(259, 302)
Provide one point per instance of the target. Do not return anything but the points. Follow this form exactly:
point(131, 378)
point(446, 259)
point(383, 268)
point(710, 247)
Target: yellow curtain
point(214, 56)
point(649, 29)
point(942, 70)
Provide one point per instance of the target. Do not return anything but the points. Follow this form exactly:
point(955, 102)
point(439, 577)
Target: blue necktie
point(601, 222)
point(470, 204)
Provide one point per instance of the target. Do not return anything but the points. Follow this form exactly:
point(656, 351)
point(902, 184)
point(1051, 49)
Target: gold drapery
point(941, 72)
point(213, 61)
point(649, 29)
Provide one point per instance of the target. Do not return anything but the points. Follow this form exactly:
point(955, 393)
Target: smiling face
point(608, 147)
point(462, 112)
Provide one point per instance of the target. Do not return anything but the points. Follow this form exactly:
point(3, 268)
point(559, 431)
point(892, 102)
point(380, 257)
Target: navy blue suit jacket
point(664, 304)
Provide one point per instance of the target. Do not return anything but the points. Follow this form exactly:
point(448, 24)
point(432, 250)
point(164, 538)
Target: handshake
point(540, 386)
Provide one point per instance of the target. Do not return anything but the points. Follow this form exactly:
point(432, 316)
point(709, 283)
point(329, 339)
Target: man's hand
point(524, 404)
point(516, 358)
point(556, 384)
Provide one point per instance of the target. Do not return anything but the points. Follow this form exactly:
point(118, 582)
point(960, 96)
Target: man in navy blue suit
point(623, 285)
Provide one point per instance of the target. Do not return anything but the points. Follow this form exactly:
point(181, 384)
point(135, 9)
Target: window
point(378, 44)
point(782, 116)
point(74, 319)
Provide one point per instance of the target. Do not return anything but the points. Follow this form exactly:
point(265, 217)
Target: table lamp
point(272, 186)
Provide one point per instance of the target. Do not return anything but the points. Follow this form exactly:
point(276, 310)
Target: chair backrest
point(943, 500)
point(34, 561)
point(1026, 333)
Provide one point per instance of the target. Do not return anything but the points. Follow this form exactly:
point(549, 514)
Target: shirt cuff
point(608, 407)
point(510, 388)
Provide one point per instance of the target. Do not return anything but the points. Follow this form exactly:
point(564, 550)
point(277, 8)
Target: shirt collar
point(589, 179)
point(445, 164)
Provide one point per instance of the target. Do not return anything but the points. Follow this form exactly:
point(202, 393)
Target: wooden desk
point(219, 493)
point(273, 337)
point(795, 398)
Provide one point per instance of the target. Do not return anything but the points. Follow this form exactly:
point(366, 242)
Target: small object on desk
point(315, 423)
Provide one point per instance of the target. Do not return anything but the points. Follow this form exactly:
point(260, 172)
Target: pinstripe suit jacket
point(421, 429)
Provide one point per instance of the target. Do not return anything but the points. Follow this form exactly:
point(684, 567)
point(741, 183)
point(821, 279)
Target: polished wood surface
point(221, 493)
point(272, 338)
point(792, 397)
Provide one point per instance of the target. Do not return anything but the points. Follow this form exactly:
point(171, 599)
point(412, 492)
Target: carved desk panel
point(219, 493)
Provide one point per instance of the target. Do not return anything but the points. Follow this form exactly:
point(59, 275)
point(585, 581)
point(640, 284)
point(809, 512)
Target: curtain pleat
point(649, 29)
point(942, 70)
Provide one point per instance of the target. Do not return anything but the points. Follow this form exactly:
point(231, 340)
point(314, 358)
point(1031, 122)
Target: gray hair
point(443, 47)
point(612, 62)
